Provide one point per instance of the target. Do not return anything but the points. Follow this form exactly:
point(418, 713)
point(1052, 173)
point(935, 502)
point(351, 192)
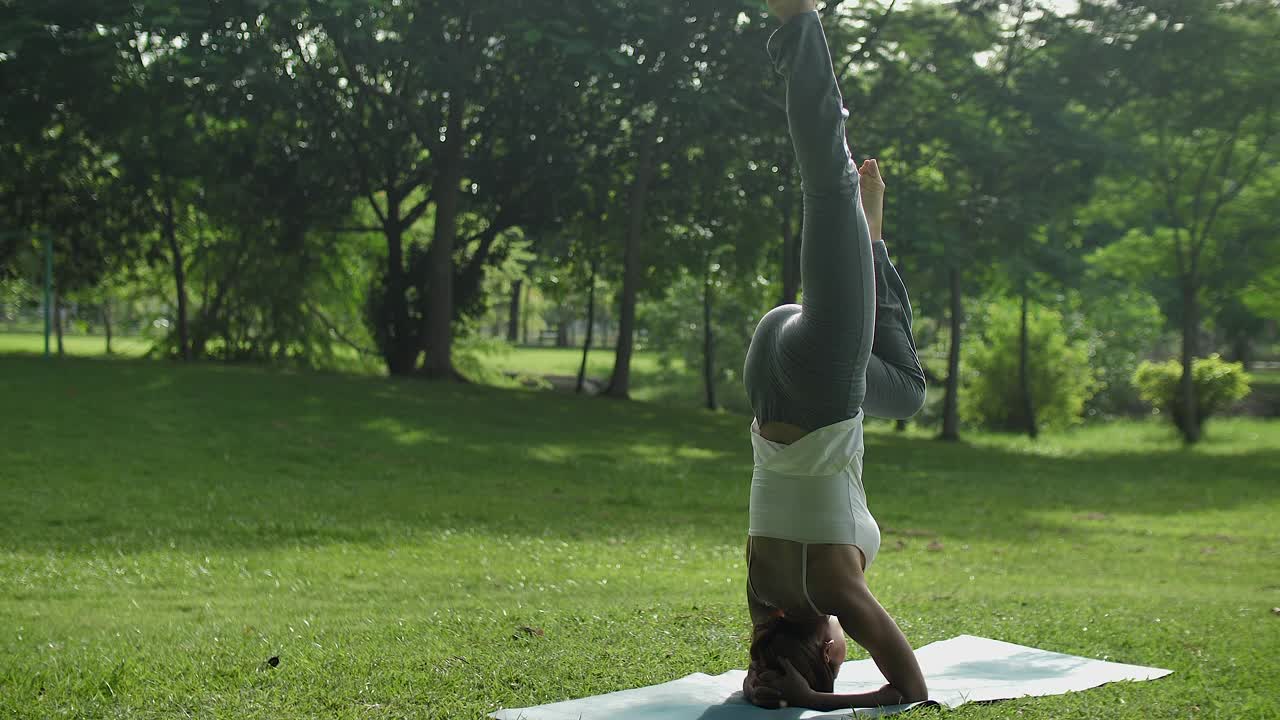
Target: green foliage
point(675, 328)
point(15, 294)
point(479, 358)
point(1121, 324)
point(1263, 294)
point(264, 130)
point(1139, 256)
point(1061, 379)
point(1218, 383)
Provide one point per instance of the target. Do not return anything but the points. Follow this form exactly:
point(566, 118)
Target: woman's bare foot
point(872, 187)
point(787, 9)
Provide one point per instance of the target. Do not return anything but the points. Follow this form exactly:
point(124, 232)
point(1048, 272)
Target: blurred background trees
point(385, 186)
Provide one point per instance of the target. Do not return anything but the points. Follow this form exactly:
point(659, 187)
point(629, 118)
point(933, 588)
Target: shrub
point(1061, 379)
point(1218, 384)
point(1121, 326)
point(675, 325)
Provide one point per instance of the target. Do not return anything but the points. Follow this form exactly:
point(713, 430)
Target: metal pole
point(48, 291)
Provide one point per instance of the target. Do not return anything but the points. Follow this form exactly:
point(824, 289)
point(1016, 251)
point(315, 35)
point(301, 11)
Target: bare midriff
point(781, 432)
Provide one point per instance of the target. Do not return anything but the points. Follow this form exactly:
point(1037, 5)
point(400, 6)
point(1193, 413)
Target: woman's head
point(815, 648)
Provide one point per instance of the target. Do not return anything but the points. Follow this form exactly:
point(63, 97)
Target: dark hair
point(800, 642)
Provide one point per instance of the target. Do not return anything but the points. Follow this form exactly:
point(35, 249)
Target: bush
point(674, 322)
point(1218, 384)
point(15, 295)
point(1061, 379)
point(1121, 325)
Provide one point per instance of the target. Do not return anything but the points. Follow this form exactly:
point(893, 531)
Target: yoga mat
point(960, 670)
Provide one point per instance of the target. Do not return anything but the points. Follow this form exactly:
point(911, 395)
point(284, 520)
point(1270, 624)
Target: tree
point(673, 53)
point(57, 181)
point(1200, 114)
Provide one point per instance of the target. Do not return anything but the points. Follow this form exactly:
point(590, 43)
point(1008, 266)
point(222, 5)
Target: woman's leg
point(822, 352)
point(895, 380)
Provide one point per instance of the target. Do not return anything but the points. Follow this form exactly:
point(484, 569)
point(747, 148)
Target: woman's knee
point(916, 396)
point(896, 396)
point(910, 397)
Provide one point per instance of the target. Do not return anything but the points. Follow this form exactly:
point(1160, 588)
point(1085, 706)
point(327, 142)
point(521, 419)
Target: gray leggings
point(849, 345)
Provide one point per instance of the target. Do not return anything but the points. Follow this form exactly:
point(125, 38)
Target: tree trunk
point(210, 310)
point(1240, 351)
point(513, 313)
point(401, 351)
point(1024, 373)
point(57, 320)
point(620, 382)
point(708, 339)
point(1190, 420)
point(439, 331)
point(790, 242)
point(951, 402)
point(524, 319)
point(179, 276)
point(562, 332)
point(591, 323)
point(106, 322)
point(468, 284)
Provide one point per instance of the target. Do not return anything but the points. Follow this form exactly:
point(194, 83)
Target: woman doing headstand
point(813, 371)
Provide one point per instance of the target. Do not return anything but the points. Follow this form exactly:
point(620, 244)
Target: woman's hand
point(789, 688)
point(758, 692)
point(872, 186)
point(787, 9)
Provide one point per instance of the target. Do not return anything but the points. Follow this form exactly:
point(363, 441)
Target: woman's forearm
point(887, 695)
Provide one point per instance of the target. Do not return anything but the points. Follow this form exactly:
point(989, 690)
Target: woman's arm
point(866, 621)
point(843, 592)
point(793, 689)
point(869, 624)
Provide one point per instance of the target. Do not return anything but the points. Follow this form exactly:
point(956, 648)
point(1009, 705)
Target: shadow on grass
point(142, 456)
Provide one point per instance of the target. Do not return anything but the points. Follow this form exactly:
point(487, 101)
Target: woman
point(812, 372)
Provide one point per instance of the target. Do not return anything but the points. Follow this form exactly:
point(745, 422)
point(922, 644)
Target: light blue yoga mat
point(960, 670)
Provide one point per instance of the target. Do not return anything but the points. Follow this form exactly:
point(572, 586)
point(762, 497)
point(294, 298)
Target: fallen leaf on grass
point(935, 546)
point(909, 532)
point(532, 631)
point(1093, 516)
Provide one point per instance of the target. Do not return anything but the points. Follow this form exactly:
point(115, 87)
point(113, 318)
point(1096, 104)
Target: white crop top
point(811, 490)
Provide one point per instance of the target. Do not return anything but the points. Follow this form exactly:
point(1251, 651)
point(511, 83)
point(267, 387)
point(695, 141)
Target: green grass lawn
point(168, 529)
point(672, 385)
point(75, 345)
point(565, 361)
point(1265, 376)
point(650, 381)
